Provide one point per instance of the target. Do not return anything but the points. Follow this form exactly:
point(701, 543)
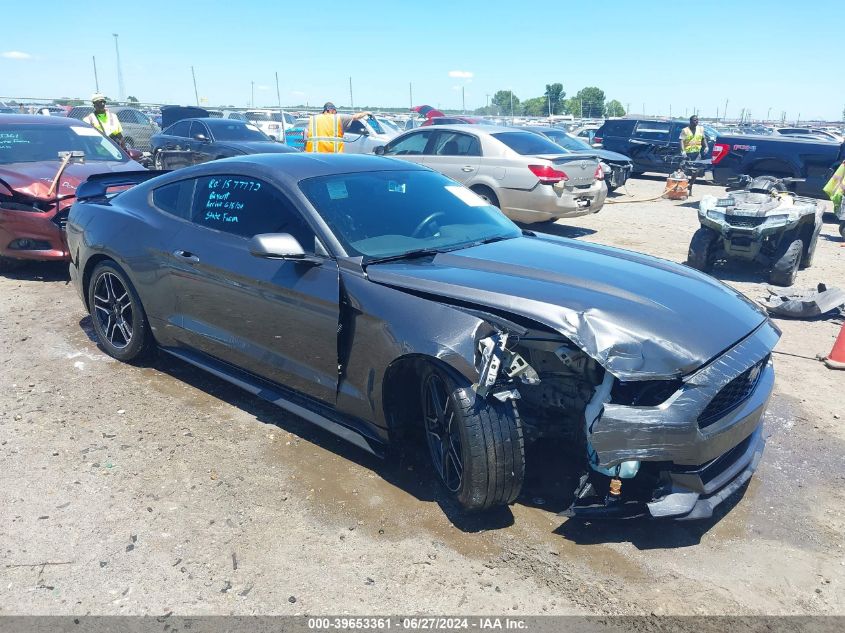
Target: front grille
point(60, 219)
point(731, 396)
point(744, 220)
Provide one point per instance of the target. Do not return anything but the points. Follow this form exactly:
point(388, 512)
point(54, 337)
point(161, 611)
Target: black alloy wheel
point(113, 310)
point(117, 315)
point(442, 432)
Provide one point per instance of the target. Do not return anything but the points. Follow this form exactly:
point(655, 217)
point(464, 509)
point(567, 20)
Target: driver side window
point(413, 144)
point(246, 206)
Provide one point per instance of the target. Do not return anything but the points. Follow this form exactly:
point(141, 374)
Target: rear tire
point(476, 448)
point(487, 194)
point(785, 268)
point(158, 161)
point(117, 315)
point(702, 249)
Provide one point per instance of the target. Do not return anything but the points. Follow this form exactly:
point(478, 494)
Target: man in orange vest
point(325, 131)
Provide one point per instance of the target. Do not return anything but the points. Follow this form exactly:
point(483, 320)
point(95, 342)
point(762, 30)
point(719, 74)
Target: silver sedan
point(524, 174)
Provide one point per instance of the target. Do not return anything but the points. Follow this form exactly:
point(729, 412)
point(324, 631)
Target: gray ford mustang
point(381, 300)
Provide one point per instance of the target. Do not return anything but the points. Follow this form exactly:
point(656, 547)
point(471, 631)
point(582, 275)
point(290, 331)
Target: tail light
point(720, 150)
point(547, 174)
point(597, 140)
point(599, 175)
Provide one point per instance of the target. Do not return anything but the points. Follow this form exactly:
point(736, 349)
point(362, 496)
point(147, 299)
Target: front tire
point(785, 268)
point(476, 447)
point(117, 314)
point(702, 249)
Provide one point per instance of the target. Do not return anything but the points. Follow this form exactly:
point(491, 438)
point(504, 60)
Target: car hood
point(640, 317)
point(256, 147)
point(34, 179)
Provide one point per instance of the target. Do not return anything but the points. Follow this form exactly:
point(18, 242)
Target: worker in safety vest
point(325, 131)
point(105, 122)
point(693, 141)
point(693, 144)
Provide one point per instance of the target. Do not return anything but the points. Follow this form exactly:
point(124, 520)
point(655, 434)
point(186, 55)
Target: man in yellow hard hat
point(325, 130)
point(105, 122)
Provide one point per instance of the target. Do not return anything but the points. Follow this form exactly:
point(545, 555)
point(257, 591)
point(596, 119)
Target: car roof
point(290, 168)
point(21, 119)
point(457, 127)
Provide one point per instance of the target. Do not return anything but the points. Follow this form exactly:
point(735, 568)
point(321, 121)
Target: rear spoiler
point(98, 185)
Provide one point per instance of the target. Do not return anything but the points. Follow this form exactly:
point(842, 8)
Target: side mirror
point(279, 246)
point(379, 151)
point(202, 138)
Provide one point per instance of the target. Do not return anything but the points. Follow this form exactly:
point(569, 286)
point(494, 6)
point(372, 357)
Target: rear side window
point(655, 130)
point(180, 128)
point(246, 206)
point(527, 143)
point(175, 198)
point(456, 144)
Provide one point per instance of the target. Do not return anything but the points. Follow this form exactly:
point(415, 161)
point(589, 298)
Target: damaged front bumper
point(695, 449)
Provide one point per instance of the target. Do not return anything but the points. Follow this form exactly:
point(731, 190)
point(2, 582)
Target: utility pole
point(487, 105)
point(96, 81)
point(196, 94)
point(670, 110)
point(768, 114)
point(463, 101)
point(252, 95)
point(511, 91)
point(121, 93)
point(628, 108)
point(351, 102)
point(550, 106)
point(725, 111)
point(411, 94)
point(283, 138)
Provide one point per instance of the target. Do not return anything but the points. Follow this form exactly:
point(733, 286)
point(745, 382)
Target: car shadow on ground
point(561, 230)
point(40, 271)
point(406, 467)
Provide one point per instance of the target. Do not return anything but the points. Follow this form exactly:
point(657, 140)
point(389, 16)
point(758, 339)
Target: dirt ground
point(156, 489)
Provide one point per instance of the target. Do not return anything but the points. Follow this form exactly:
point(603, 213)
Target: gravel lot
point(155, 489)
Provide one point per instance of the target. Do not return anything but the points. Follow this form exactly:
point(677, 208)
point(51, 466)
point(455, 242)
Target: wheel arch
point(400, 384)
point(90, 265)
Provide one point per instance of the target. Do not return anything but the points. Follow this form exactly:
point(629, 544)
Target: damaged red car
point(42, 161)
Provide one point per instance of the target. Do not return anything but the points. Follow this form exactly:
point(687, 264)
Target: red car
point(42, 161)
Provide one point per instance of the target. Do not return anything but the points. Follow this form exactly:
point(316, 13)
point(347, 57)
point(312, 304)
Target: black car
point(193, 141)
point(383, 302)
point(619, 166)
point(651, 144)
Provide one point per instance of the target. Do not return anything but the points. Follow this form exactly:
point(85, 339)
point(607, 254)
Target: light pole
point(121, 93)
point(252, 94)
point(768, 114)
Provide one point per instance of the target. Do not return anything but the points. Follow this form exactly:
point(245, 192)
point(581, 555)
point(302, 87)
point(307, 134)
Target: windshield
point(388, 213)
point(288, 118)
point(527, 143)
point(36, 143)
point(390, 125)
point(375, 125)
point(566, 141)
point(253, 115)
point(232, 130)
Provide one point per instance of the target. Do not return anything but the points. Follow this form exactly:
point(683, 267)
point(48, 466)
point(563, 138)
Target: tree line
point(588, 103)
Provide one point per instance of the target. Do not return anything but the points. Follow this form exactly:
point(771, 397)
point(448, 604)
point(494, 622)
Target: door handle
point(467, 168)
point(186, 256)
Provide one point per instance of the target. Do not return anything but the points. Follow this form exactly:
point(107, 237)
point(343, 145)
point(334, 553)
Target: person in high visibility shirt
point(693, 144)
point(693, 141)
point(325, 131)
point(105, 122)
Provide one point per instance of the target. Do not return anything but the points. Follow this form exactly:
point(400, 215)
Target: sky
point(765, 57)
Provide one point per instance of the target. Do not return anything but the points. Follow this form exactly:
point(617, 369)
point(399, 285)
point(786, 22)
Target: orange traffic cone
point(836, 358)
